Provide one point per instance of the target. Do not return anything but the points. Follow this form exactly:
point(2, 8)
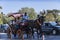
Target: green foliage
point(3, 19)
point(31, 12)
point(1, 22)
point(58, 18)
point(49, 17)
point(52, 15)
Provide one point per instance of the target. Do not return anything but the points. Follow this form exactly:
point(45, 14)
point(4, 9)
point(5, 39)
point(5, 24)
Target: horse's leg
point(19, 33)
point(9, 34)
point(27, 35)
point(40, 32)
point(32, 32)
point(27, 31)
point(22, 35)
point(14, 33)
point(37, 33)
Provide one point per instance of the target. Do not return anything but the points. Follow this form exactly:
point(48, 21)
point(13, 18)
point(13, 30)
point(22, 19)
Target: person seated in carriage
point(17, 23)
point(25, 17)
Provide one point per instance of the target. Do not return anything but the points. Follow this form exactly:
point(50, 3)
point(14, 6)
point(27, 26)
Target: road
point(3, 36)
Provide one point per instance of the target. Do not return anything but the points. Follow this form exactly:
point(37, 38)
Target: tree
point(1, 21)
point(31, 12)
point(54, 13)
point(3, 18)
point(49, 17)
point(58, 18)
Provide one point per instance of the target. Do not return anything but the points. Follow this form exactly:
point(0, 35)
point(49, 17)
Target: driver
point(25, 17)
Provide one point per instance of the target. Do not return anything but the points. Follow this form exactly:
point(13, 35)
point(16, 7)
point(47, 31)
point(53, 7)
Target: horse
point(29, 26)
point(25, 28)
point(32, 24)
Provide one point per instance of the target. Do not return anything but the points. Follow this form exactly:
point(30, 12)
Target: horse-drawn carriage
point(17, 26)
point(21, 27)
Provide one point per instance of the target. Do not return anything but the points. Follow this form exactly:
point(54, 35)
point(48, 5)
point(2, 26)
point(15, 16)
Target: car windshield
point(46, 24)
point(53, 23)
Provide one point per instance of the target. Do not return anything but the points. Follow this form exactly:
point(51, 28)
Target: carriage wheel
point(9, 33)
point(19, 33)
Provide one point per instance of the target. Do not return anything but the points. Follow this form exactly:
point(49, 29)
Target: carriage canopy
point(15, 15)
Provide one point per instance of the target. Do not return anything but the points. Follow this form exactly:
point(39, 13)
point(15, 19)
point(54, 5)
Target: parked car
point(50, 28)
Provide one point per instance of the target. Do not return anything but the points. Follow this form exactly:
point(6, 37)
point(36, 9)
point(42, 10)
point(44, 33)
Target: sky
point(14, 5)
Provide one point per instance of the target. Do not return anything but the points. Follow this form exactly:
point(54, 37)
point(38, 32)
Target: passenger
point(25, 17)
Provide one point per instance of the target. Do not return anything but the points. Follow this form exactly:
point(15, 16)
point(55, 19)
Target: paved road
point(3, 36)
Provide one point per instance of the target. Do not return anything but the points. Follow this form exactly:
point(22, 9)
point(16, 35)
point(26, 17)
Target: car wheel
point(53, 32)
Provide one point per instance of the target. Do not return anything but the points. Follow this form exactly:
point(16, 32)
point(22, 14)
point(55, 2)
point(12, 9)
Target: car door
point(46, 27)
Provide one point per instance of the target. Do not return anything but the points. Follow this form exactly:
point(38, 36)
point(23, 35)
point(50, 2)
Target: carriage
point(27, 27)
point(23, 26)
